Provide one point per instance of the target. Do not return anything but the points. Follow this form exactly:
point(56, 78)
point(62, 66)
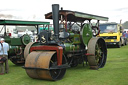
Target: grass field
point(115, 72)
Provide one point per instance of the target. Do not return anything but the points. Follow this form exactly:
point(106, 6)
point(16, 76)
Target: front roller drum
point(97, 53)
point(42, 65)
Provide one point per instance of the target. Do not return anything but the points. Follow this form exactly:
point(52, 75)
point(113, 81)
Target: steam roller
point(69, 43)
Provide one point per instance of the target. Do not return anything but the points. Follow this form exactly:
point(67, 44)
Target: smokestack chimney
point(55, 16)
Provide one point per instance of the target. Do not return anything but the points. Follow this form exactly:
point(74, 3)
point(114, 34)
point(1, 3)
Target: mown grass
point(115, 72)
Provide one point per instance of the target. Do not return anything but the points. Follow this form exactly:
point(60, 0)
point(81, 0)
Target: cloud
point(122, 9)
point(6, 16)
point(4, 10)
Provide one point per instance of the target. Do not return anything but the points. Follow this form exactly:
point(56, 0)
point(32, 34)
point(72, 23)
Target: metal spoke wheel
point(98, 50)
point(72, 61)
point(57, 74)
point(17, 61)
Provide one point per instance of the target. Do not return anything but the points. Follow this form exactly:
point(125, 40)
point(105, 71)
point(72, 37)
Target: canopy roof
point(19, 22)
point(109, 23)
point(77, 16)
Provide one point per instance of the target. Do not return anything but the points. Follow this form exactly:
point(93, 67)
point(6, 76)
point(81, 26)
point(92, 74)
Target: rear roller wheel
point(98, 53)
point(44, 65)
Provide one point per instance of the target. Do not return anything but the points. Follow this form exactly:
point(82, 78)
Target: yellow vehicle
point(112, 33)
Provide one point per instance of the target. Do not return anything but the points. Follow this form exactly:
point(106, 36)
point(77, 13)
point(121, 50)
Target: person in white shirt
point(4, 48)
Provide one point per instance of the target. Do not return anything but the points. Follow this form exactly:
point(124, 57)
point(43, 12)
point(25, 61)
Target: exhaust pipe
point(55, 16)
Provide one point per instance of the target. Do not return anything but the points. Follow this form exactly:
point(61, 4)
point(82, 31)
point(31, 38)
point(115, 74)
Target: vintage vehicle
point(17, 44)
point(113, 34)
point(71, 43)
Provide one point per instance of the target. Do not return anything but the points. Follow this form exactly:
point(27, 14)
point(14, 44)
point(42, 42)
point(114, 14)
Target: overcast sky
point(35, 9)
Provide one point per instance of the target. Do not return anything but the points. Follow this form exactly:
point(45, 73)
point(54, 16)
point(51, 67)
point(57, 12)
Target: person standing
point(4, 48)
